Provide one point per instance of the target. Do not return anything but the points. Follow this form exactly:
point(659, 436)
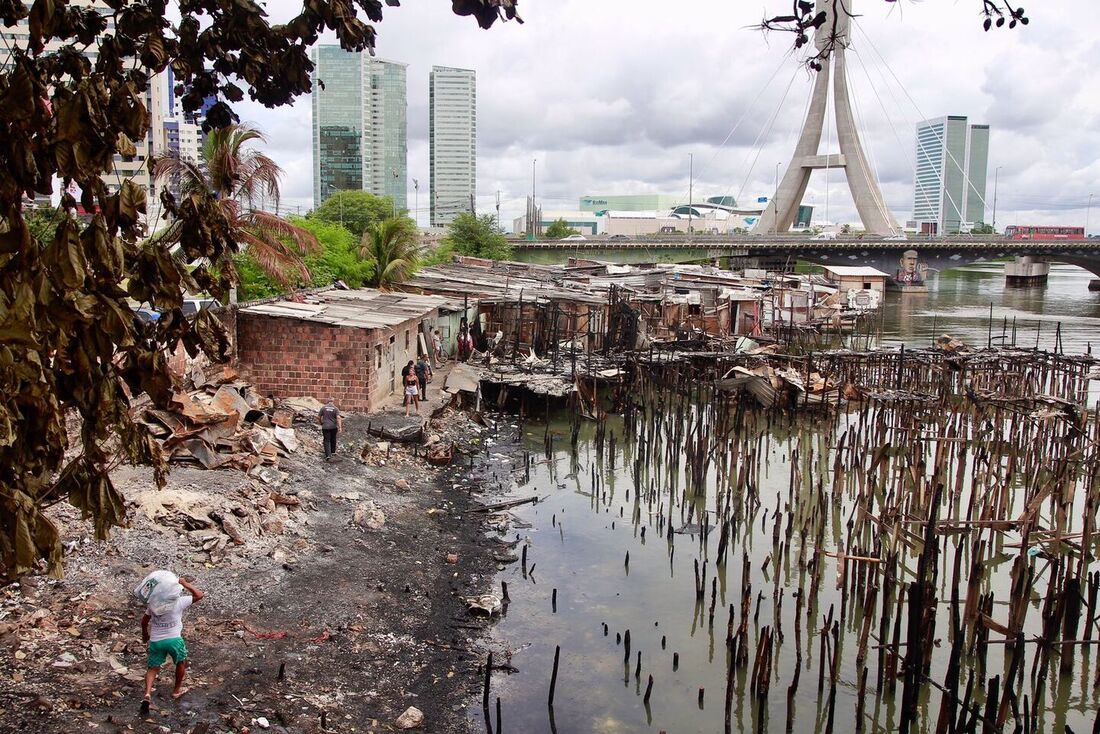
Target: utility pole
point(996, 176)
point(395, 177)
point(473, 209)
point(691, 187)
point(533, 213)
point(416, 202)
point(498, 207)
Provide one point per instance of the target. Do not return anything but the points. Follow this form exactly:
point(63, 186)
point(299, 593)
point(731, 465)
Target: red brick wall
point(286, 358)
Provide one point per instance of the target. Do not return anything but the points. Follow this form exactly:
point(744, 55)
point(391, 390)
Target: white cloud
point(612, 96)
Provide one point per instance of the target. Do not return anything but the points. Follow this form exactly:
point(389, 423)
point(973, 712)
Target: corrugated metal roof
point(855, 271)
point(363, 308)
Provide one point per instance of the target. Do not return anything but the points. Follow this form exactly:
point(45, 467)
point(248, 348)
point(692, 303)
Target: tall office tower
point(949, 185)
point(134, 167)
point(453, 141)
point(360, 125)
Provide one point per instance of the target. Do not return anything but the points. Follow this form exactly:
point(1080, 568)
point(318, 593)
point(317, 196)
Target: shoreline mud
point(341, 606)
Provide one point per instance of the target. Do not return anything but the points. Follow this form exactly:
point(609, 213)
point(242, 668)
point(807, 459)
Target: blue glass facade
point(360, 128)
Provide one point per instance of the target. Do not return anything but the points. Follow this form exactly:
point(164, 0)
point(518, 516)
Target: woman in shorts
point(412, 393)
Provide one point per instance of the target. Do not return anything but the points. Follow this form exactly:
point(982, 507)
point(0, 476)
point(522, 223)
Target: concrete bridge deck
point(936, 254)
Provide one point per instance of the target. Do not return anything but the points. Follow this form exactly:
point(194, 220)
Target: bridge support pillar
point(1026, 271)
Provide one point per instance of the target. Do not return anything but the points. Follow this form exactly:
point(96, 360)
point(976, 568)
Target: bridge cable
point(830, 124)
point(766, 129)
point(925, 195)
point(792, 135)
point(906, 150)
point(873, 173)
point(965, 170)
point(750, 108)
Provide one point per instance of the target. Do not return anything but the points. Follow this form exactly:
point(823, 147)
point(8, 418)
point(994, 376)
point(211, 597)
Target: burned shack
point(587, 305)
point(345, 344)
point(529, 306)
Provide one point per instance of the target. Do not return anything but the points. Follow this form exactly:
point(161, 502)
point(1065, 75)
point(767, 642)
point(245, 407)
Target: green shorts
point(161, 649)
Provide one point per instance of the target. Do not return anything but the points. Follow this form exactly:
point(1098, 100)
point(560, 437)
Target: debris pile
point(213, 521)
point(770, 385)
point(948, 343)
point(225, 422)
point(447, 434)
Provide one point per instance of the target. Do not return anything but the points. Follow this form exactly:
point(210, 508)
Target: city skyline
point(625, 117)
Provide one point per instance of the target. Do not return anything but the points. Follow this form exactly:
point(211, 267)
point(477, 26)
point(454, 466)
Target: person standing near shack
point(437, 348)
point(412, 392)
point(331, 423)
point(409, 369)
point(423, 374)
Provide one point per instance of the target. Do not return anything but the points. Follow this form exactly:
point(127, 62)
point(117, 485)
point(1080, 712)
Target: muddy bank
point(343, 586)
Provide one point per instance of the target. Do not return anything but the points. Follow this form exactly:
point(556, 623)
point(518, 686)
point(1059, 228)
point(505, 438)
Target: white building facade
point(134, 167)
point(950, 179)
point(452, 132)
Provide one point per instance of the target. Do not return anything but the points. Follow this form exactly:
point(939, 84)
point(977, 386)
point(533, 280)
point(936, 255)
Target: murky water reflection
point(958, 304)
point(606, 553)
point(600, 539)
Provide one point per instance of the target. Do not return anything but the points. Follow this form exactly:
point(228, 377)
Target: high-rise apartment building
point(452, 132)
point(949, 185)
point(134, 167)
point(360, 125)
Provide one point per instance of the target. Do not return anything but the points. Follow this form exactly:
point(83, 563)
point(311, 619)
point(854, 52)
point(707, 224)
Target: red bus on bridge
point(1013, 232)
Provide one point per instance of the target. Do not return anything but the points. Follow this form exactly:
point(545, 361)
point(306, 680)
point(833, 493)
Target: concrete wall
point(358, 367)
point(844, 282)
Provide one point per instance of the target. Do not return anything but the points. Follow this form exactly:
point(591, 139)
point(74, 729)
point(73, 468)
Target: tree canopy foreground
point(70, 343)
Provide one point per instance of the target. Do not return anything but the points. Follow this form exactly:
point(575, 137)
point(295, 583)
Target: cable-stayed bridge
point(936, 254)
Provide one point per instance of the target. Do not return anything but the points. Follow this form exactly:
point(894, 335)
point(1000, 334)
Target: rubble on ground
point(412, 718)
point(223, 422)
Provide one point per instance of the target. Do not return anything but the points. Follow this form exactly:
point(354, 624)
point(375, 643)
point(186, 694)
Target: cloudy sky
point(613, 96)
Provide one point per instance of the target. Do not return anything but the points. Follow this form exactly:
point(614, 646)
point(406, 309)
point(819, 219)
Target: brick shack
point(345, 344)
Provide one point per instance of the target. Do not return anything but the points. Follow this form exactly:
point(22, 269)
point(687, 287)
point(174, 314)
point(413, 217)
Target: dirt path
point(364, 622)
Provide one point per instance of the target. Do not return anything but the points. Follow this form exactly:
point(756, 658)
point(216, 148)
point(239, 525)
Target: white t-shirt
point(170, 625)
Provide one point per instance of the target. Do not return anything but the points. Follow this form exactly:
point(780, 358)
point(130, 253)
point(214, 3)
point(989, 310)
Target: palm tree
point(393, 246)
point(237, 177)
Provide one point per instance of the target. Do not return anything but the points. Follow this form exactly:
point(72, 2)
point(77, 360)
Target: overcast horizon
point(612, 98)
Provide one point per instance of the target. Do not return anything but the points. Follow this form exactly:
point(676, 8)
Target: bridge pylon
point(780, 214)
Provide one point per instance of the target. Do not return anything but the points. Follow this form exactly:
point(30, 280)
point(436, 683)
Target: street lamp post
point(416, 202)
point(691, 192)
point(1088, 213)
point(396, 176)
point(996, 176)
point(336, 190)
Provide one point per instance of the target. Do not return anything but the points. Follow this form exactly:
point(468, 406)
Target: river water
point(601, 561)
point(958, 304)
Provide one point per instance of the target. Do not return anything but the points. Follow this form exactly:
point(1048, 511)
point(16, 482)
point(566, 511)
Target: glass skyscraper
point(360, 125)
point(452, 132)
point(949, 185)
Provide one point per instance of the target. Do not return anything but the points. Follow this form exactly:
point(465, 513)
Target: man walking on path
point(331, 423)
point(423, 374)
point(164, 635)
